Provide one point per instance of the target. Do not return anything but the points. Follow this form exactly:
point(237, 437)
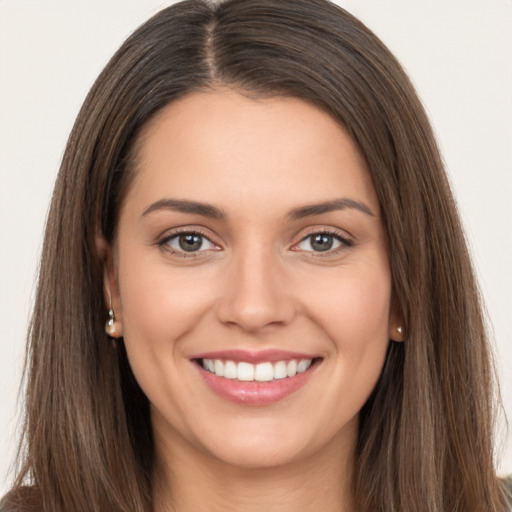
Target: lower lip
point(255, 393)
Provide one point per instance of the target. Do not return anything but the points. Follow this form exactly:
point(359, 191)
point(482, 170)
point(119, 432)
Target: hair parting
point(425, 440)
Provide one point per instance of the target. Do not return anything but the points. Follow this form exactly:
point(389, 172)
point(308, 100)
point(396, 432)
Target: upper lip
point(254, 357)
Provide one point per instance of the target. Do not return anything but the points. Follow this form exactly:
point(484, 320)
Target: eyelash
point(345, 243)
point(163, 242)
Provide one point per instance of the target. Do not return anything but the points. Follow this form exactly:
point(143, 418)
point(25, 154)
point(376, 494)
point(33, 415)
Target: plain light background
point(458, 54)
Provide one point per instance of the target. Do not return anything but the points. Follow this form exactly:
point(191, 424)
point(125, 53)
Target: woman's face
point(251, 279)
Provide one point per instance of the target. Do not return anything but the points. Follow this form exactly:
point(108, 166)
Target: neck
point(195, 482)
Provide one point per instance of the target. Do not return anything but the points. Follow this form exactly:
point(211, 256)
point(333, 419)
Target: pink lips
point(254, 393)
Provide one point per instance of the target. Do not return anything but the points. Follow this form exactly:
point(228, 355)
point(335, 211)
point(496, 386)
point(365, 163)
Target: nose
point(255, 295)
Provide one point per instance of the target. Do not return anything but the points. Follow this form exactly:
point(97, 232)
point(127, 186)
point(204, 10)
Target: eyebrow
point(329, 206)
point(186, 206)
point(208, 210)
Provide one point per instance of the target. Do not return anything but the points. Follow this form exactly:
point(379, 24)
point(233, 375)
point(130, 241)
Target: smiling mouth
point(260, 372)
point(270, 377)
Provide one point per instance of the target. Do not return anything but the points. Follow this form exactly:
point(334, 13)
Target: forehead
point(221, 146)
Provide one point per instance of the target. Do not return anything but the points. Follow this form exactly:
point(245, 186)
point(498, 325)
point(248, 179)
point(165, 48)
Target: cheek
point(354, 307)
point(354, 314)
point(160, 306)
point(160, 303)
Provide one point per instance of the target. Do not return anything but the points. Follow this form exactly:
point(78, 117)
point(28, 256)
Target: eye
point(323, 242)
point(188, 242)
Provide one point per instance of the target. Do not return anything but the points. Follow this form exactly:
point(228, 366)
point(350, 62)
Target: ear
point(114, 324)
point(396, 322)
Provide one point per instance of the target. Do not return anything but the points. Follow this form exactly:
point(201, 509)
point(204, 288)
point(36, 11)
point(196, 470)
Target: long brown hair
point(425, 441)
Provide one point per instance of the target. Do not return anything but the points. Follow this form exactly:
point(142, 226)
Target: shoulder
point(508, 490)
point(22, 498)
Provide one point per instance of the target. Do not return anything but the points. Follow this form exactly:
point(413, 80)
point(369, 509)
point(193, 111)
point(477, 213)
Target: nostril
point(252, 313)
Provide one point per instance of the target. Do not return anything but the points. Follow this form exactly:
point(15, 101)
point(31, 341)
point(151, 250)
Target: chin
point(246, 454)
point(272, 444)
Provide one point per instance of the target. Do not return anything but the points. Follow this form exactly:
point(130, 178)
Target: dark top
point(508, 484)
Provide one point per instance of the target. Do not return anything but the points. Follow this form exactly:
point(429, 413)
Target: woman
point(253, 201)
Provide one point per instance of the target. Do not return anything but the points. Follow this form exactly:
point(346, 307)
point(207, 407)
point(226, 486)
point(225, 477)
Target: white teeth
point(245, 371)
point(280, 370)
point(218, 367)
point(261, 372)
point(291, 368)
point(264, 372)
point(303, 365)
point(230, 371)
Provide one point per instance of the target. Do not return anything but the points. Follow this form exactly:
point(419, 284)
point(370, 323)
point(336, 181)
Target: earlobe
point(113, 325)
point(397, 333)
point(396, 323)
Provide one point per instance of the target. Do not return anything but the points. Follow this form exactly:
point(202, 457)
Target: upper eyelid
point(336, 236)
point(171, 233)
point(331, 232)
point(337, 232)
point(167, 236)
point(341, 234)
point(346, 241)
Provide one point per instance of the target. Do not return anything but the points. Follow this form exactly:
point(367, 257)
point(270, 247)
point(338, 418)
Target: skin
point(258, 283)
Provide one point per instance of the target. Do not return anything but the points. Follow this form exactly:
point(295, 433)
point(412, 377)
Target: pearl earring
point(110, 326)
point(399, 329)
